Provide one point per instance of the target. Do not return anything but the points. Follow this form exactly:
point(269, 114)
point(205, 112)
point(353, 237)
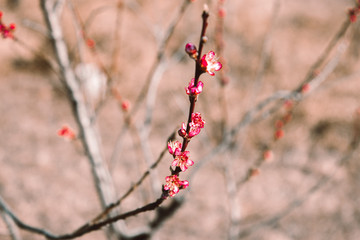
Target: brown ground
point(47, 181)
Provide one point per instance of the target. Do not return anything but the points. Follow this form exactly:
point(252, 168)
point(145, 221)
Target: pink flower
point(195, 125)
point(173, 185)
point(210, 64)
point(174, 148)
point(182, 160)
point(192, 90)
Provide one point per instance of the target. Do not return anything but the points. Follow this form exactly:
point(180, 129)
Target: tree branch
point(85, 119)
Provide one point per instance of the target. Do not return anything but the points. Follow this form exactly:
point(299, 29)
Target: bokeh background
point(308, 190)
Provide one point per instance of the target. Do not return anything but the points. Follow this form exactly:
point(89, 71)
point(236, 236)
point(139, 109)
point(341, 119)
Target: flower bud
point(254, 172)
point(125, 105)
point(204, 39)
point(182, 132)
point(90, 43)
point(279, 124)
point(278, 134)
point(305, 88)
point(190, 49)
point(268, 155)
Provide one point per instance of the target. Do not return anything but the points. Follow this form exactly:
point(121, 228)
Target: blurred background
point(306, 186)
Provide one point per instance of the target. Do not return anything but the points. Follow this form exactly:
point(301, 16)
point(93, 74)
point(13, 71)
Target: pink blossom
point(210, 64)
point(195, 125)
point(174, 148)
point(192, 90)
point(173, 185)
point(182, 160)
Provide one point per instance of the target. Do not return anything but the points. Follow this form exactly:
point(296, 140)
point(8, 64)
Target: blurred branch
point(233, 200)
point(116, 48)
point(336, 38)
point(98, 221)
point(82, 230)
point(144, 127)
point(82, 37)
point(89, 228)
point(135, 185)
point(79, 30)
point(222, 77)
point(160, 55)
point(12, 228)
point(295, 95)
point(152, 80)
point(299, 201)
point(4, 208)
point(85, 119)
point(266, 48)
point(48, 62)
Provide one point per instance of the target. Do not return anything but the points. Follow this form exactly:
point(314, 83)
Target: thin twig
point(264, 59)
point(135, 185)
point(333, 42)
point(233, 200)
point(83, 230)
point(222, 76)
point(116, 48)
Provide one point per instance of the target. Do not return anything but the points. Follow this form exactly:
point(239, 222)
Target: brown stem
point(198, 72)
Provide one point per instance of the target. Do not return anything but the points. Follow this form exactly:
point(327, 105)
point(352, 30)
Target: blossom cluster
point(181, 158)
point(6, 31)
point(173, 185)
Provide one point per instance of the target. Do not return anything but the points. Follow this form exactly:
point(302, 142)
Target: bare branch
point(82, 230)
point(85, 119)
point(160, 54)
point(12, 228)
point(299, 201)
